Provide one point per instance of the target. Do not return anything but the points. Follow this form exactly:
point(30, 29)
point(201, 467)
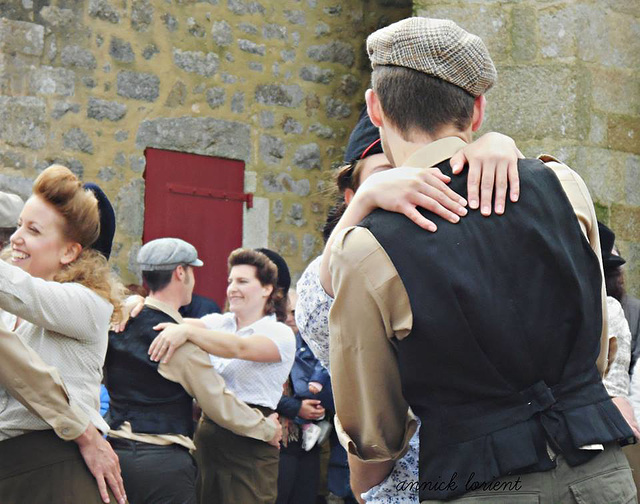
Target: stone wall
point(92, 83)
point(568, 85)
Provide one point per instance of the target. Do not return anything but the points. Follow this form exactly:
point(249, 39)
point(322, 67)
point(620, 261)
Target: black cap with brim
point(364, 140)
point(284, 276)
point(607, 240)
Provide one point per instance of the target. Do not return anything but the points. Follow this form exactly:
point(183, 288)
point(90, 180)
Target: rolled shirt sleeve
point(371, 310)
point(38, 387)
point(617, 380)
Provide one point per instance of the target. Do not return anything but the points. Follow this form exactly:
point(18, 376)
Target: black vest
point(501, 359)
point(138, 393)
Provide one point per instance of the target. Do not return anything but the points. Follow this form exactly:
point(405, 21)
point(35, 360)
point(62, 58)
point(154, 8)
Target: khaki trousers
point(234, 469)
point(605, 479)
point(40, 468)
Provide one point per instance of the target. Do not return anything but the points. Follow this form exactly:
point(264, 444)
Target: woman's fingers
point(486, 189)
point(502, 174)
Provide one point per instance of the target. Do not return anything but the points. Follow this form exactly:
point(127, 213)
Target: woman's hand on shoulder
point(171, 337)
point(493, 164)
point(131, 307)
point(403, 189)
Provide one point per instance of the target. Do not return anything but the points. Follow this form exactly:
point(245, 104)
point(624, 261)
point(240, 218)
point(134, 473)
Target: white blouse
point(67, 324)
point(258, 383)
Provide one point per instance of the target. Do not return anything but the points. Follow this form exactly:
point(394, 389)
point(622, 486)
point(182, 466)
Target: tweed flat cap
point(437, 47)
point(166, 254)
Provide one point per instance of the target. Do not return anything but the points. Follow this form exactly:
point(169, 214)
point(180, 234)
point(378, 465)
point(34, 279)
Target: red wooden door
point(189, 196)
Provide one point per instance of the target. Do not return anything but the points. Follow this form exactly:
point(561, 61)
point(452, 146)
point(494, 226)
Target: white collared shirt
point(257, 383)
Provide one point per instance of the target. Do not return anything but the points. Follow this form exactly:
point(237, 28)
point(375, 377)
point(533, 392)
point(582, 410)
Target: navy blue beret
point(364, 140)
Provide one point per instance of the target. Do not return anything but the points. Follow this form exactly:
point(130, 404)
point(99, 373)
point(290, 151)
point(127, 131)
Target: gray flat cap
point(166, 254)
point(10, 208)
point(437, 47)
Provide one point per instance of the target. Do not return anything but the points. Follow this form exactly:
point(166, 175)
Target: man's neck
point(403, 149)
point(166, 297)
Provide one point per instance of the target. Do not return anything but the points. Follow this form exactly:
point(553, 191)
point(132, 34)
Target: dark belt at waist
point(262, 409)
point(130, 444)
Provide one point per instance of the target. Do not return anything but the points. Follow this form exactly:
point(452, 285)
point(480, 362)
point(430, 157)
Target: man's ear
point(478, 112)
point(179, 272)
point(374, 108)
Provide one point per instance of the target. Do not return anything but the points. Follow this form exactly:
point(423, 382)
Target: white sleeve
point(282, 335)
point(312, 312)
point(617, 379)
point(213, 321)
point(69, 309)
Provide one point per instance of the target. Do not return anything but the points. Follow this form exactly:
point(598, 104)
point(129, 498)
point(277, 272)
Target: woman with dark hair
point(253, 350)
point(59, 295)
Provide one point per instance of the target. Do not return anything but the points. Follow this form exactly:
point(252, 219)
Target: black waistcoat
point(501, 359)
point(138, 393)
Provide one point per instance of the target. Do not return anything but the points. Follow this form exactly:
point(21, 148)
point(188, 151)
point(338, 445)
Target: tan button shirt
point(191, 367)
point(371, 312)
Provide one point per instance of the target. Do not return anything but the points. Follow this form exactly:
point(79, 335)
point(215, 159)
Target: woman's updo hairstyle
point(58, 186)
point(267, 274)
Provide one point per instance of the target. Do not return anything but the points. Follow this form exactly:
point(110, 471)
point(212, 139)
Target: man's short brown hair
point(416, 102)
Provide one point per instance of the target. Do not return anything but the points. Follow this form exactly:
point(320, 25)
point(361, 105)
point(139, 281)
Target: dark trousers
point(234, 469)
point(299, 474)
point(40, 468)
point(155, 474)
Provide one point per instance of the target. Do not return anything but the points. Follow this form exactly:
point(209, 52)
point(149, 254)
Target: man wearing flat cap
point(488, 330)
point(151, 403)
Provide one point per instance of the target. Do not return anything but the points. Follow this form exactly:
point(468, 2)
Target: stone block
point(170, 22)
point(523, 33)
point(56, 17)
point(215, 97)
point(313, 73)
point(205, 64)
point(121, 135)
point(16, 184)
point(23, 121)
point(195, 29)
point(272, 149)
point(625, 221)
point(291, 126)
point(350, 84)
point(77, 140)
point(222, 33)
point(534, 102)
point(177, 95)
point(322, 29)
point(52, 81)
point(21, 37)
point(78, 57)
point(252, 47)
point(333, 52)
point(603, 172)
point(623, 133)
point(285, 244)
point(248, 28)
point(11, 159)
point(288, 55)
point(322, 130)
point(489, 22)
point(309, 247)
point(308, 157)
point(104, 10)
point(255, 224)
point(632, 185)
point(267, 119)
point(149, 51)
point(141, 15)
point(62, 108)
point(199, 135)
point(336, 108)
point(333, 10)
point(237, 102)
point(255, 66)
point(558, 32)
point(295, 216)
point(606, 37)
point(129, 206)
point(296, 17)
point(616, 90)
point(138, 86)
point(278, 209)
point(106, 174)
point(137, 163)
point(274, 31)
point(290, 95)
point(242, 7)
point(105, 109)
point(120, 50)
